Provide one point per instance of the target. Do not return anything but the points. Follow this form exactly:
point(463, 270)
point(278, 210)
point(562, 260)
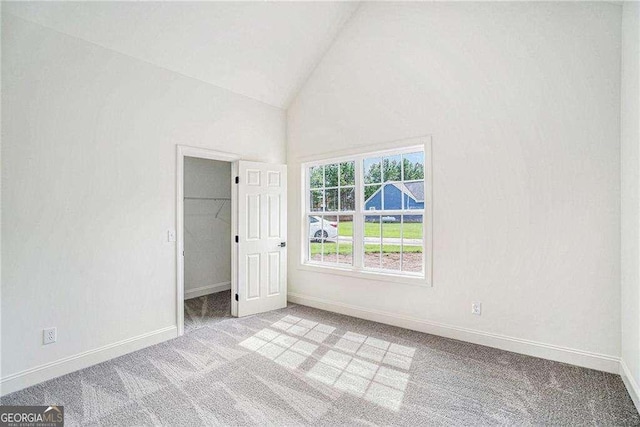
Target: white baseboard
point(206, 290)
point(630, 383)
point(29, 377)
point(571, 356)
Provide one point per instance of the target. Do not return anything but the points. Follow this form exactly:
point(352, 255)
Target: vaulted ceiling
point(263, 50)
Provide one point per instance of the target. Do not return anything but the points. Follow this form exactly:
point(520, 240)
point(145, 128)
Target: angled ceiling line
point(339, 30)
point(65, 34)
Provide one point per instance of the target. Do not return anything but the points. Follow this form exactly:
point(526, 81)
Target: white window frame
point(357, 269)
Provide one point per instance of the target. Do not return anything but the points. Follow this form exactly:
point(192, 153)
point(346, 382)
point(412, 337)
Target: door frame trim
point(183, 151)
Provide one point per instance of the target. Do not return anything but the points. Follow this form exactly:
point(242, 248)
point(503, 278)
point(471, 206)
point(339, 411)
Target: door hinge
point(236, 297)
point(182, 253)
point(237, 239)
point(237, 180)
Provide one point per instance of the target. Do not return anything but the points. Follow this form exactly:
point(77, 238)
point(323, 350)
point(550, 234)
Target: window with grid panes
point(367, 212)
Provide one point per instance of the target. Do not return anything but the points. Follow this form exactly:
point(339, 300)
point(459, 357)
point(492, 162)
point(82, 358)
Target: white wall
point(264, 50)
point(88, 190)
point(207, 238)
point(630, 198)
point(1, 14)
point(522, 101)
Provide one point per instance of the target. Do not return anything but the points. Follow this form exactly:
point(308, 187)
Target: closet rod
point(207, 198)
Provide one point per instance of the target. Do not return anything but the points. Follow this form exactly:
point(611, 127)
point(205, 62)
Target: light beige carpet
point(206, 310)
point(301, 366)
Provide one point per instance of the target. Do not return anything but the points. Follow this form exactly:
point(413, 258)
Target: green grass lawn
point(344, 249)
point(412, 230)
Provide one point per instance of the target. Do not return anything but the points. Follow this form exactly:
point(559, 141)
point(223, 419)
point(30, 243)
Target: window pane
point(323, 230)
point(315, 249)
point(413, 166)
point(316, 203)
point(414, 195)
point(371, 170)
point(392, 168)
point(347, 199)
point(391, 242)
point(391, 256)
point(331, 199)
point(393, 195)
point(316, 177)
point(345, 227)
point(391, 227)
point(330, 255)
point(412, 242)
point(345, 252)
point(315, 238)
point(315, 228)
point(372, 197)
point(331, 175)
point(330, 236)
point(372, 246)
point(331, 227)
point(345, 239)
point(323, 233)
point(347, 173)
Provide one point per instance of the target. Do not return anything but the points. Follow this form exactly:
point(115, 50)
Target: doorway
point(224, 202)
point(205, 224)
point(207, 242)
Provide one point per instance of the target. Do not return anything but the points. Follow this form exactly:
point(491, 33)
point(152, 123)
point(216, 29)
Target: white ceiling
point(263, 50)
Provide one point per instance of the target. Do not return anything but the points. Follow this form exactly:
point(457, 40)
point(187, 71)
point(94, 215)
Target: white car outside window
point(321, 229)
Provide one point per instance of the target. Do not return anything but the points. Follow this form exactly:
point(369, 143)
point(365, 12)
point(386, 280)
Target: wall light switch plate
point(476, 308)
point(49, 335)
point(171, 236)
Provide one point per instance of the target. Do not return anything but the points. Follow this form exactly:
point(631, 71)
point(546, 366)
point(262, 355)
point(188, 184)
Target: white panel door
point(262, 232)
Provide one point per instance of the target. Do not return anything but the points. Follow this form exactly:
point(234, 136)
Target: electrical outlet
point(171, 236)
point(49, 335)
point(476, 308)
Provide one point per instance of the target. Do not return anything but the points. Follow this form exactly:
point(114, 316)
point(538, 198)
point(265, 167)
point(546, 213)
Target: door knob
point(283, 244)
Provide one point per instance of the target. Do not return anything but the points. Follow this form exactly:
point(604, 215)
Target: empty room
point(320, 213)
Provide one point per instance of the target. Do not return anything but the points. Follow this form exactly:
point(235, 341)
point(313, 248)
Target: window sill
point(383, 276)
